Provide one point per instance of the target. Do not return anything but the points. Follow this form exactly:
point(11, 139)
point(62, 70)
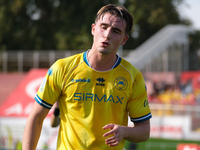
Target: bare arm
point(55, 120)
point(33, 127)
point(139, 133)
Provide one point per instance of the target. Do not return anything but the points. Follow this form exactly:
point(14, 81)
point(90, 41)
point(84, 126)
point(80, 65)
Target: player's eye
point(103, 26)
point(116, 31)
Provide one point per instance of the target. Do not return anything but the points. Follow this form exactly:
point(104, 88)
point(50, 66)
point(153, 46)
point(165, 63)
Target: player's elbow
point(142, 138)
point(146, 134)
point(145, 131)
point(146, 137)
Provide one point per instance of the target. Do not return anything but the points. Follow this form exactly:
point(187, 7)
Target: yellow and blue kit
point(90, 99)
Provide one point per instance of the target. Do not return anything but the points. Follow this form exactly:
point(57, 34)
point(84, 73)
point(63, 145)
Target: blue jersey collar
point(114, 66)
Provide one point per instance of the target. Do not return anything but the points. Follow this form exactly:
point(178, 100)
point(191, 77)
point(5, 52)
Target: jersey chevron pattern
point(90, 99)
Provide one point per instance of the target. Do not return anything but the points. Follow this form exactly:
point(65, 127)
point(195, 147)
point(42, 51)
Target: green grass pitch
point(159, 144)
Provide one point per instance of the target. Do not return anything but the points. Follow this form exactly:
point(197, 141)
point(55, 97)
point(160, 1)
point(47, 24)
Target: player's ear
point(126, 37)
point(93, 28)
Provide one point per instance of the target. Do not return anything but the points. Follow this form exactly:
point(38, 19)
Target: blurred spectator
point(181, 92)
point(158, 87)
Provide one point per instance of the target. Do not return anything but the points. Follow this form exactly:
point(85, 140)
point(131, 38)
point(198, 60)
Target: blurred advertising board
point(15, 110)
point(173, 127)
point(20, 101)
point(185, 146)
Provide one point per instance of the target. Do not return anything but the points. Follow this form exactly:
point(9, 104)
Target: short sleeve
point(51, 87)
point(138, 105)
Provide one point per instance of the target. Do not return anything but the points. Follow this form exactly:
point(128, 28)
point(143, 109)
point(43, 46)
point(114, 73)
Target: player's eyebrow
point(113, 27)
point(117, 29)
point(104, 24)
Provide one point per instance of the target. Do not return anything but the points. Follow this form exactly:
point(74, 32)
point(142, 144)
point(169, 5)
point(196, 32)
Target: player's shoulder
point(129, 67)
point(69, 61)
point(76, 57)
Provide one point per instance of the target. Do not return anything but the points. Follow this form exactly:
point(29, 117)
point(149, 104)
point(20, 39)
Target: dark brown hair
point(119, 12)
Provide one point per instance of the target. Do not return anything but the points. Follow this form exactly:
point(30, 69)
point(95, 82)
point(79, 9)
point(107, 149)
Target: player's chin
point(104, 50)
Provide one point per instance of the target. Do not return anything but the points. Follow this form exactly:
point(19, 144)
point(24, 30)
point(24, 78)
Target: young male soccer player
point(97, 91)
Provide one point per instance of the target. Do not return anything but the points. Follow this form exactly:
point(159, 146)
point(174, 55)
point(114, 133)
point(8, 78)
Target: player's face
point(108, 34)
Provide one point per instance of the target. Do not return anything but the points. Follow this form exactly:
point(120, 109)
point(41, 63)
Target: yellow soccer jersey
point(90, 99)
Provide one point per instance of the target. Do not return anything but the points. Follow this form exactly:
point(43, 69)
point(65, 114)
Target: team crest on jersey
point(120, 83)
point(100, 81)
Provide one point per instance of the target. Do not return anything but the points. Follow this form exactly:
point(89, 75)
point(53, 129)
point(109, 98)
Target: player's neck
point(101, 62)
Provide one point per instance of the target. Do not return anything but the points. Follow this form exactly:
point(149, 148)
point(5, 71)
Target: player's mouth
point(105, 44)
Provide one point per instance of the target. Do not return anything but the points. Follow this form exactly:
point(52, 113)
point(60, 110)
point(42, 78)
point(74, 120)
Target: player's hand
point(118, 134)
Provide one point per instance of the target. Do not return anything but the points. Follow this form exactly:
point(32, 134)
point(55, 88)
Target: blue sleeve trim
point(141, 119)
point(42, 103)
